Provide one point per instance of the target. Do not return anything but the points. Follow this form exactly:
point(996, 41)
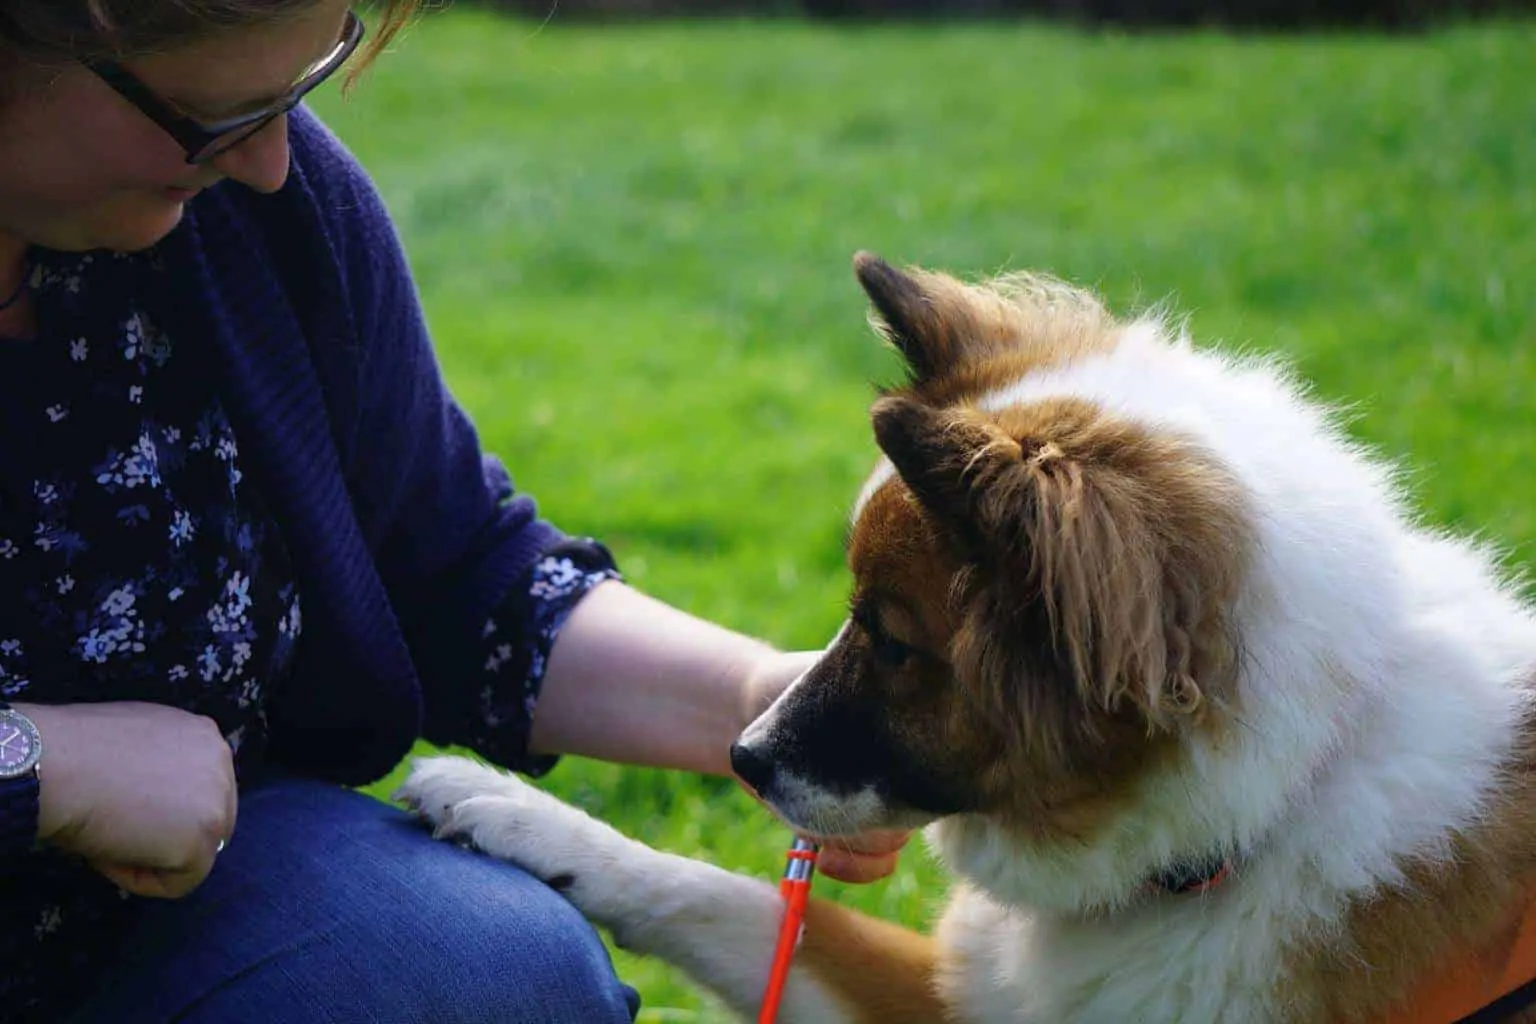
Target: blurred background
point(631, 224)
point(1144, 14)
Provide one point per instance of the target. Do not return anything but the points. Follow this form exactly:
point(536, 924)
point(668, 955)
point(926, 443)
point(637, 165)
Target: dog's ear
point(915, 312)
point(1136, 541)
point(1131, 542)
point(943, 326)
point(949, 459)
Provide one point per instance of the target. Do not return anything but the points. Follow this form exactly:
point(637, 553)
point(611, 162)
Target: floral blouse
point(137, 562)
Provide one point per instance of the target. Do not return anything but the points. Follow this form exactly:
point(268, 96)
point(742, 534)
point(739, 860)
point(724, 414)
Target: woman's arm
point(487, 593)
point(633, 680)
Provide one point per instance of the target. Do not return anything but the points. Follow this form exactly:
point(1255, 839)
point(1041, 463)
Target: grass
point(633, 244)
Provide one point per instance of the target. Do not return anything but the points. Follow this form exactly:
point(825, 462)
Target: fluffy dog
point(1206, 727)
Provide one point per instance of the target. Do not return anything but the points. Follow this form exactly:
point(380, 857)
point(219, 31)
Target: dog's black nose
point(753, 767)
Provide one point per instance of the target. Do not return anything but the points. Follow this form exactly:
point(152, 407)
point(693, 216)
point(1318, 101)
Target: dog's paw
point(501, 815)
point(436, 784)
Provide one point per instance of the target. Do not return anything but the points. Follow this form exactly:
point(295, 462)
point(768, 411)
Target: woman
point(250, 550)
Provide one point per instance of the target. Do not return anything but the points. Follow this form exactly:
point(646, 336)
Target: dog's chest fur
point(1007, 965)
point(1332, 922)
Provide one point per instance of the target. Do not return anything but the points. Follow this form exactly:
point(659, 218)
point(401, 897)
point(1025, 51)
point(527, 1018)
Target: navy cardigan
point(404, 535)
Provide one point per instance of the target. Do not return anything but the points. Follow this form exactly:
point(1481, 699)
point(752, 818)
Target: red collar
point(1191, 877)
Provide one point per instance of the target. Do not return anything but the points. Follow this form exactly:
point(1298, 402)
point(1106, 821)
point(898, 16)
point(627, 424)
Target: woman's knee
point(546, 962)
point(515, 972)
point(484, 934)
point(487, 939)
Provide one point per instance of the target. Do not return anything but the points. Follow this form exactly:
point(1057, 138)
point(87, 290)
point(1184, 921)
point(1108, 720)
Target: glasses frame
point(203, 141)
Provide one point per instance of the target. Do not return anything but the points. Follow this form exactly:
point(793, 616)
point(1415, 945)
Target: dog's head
point(1041, 608)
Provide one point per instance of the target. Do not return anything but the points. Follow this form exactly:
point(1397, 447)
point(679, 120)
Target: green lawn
point(633, 247)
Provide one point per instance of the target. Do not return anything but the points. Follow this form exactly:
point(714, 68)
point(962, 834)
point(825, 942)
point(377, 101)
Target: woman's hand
point(867, 857)
point(144, 793)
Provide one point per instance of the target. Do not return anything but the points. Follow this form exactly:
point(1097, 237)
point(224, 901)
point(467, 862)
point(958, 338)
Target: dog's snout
point(752, 766)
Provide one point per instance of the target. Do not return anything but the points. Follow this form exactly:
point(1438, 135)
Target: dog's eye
point(888, 651)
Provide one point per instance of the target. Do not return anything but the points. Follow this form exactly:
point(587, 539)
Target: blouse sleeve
point(516, 642)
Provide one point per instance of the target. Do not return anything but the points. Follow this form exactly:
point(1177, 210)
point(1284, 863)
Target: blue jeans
point(330, 906)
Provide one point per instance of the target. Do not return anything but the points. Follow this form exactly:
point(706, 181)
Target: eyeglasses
point(202, 140)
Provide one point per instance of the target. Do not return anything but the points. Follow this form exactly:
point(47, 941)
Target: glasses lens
point(312, 78)
point(229, 140)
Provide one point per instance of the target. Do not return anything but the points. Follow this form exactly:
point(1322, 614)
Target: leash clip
point(794, 889)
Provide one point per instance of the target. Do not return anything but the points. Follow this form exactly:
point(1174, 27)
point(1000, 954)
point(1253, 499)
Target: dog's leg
point(884, 972)
point(717, 926)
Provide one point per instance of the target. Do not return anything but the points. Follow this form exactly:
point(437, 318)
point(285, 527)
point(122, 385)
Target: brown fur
point(883, 973)
point(961, 339)
point(1441, 915)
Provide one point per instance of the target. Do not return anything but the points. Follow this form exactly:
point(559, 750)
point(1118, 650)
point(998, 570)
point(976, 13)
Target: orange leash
point(795, 889)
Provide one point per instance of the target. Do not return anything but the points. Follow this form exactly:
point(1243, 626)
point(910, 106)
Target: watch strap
point(18, 814)
point(19, 807)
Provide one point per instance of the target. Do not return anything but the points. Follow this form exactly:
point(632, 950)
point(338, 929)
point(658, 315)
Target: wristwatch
point(21, 748)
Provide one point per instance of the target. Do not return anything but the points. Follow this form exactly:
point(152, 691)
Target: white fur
point(1383, 669)
point(883, 473)
point(719, 926)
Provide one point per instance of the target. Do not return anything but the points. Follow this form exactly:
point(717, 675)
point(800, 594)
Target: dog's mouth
point(816, 809)
point(801, 803)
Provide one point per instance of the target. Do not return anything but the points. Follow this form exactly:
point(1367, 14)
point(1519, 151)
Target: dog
point(1204, 723)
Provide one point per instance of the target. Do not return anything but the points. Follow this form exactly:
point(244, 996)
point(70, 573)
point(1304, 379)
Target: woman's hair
point(64, 31)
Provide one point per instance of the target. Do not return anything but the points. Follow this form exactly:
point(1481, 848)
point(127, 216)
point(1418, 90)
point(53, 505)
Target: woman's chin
point(137, 225)
point(158, 218)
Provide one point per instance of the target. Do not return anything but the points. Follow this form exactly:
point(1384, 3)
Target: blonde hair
point(65, 31)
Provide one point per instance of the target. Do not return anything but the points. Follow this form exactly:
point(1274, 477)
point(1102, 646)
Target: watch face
point(19, 745)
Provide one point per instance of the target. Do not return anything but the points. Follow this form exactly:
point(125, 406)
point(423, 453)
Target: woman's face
point(82, 168)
